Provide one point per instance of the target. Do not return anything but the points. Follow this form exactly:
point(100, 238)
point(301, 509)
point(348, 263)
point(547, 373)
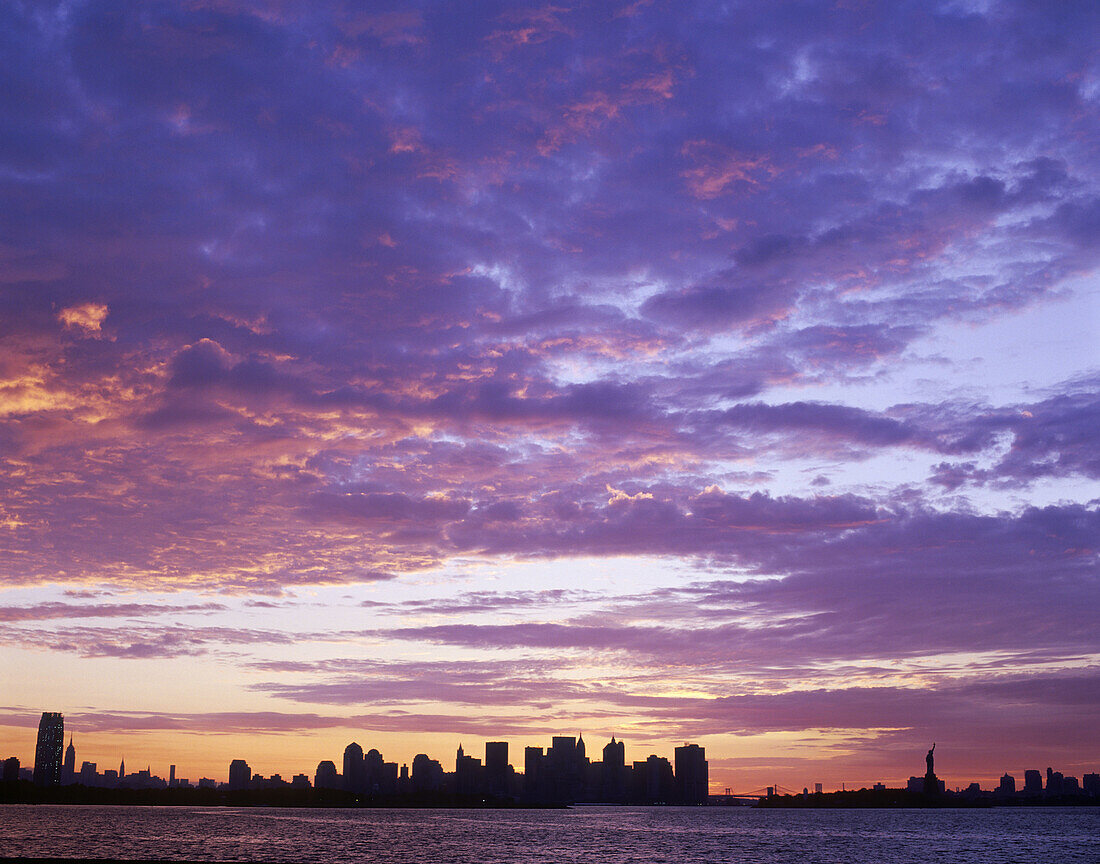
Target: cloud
point(52, 610)
point(87, 318)
point(501, 684)
point(718, 308)
point(859, 584)
point(142, 642)
point(472, 602)
point(304, 295)
point(275, 722)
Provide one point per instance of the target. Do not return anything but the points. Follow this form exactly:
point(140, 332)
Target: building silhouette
point(327, 776)
point(47, 751)
point(567, 762)
point(374, 772)
point(563, 774)
point(653, 782)
point(498, 773)
point(427, 775)
point(534, 784)
point(560, 774)
point(692, 775)
point(468, 773)
point(240, 775)
point(68, 766)
point(390, 777)
point(355, 769)
point(613, 780)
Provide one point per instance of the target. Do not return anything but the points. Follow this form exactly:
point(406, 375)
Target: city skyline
point(49, 763)
point(491, 370)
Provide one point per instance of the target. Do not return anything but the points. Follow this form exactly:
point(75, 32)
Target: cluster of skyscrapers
point(564, 773)
point(55, 765)
point(559, 774)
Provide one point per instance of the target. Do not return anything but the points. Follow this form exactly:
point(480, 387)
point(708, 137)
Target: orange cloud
point(87, 317)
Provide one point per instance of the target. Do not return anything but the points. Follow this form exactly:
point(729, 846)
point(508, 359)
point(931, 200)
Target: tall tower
point(497, 769)
point(355, 769)
point(614, 771)
point(47, 752)
point(692, 774)
point(68, 768)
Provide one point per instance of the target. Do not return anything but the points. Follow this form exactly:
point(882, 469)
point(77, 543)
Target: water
point(609, 835)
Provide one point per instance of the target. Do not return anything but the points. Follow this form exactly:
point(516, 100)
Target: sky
point(425, 373)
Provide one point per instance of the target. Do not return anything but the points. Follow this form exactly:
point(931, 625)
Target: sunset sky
point(457, 371)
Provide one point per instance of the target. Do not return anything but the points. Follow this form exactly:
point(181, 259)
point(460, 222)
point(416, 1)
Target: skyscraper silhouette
point(240, 775)
point(496, 767)
point(692, 774)
point(326, 776)
point(373, 770)
point(467, 773)
point(427, 774)
point(355, 769)
point(47, 752)
point(614, 771)
point(68, 767)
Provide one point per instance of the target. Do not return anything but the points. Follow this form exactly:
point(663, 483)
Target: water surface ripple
point(609, 835)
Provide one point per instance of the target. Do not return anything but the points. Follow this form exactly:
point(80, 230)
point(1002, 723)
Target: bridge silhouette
point(762, 792)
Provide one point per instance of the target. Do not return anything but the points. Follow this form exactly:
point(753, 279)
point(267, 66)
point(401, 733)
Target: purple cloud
point(46, 611)
point(307, 295)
